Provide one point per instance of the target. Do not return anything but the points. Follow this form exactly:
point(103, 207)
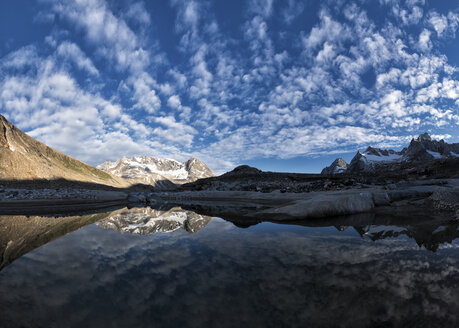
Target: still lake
point(178, 270)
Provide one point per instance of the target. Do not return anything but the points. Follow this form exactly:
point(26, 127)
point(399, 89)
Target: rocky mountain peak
point(339, 165)
point(421, 150)
point(424, 137)
point(158, 171)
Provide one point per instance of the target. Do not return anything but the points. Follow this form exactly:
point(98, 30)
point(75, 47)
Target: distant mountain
point(421, 150)
point(24, 158)
point(146, 220)
point(157, 171)
point(339, 165)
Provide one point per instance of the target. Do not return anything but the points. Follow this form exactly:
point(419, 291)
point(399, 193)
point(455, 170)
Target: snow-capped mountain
point(147, 220)
point(157, 171)
point(339, 165)
point(422, 149)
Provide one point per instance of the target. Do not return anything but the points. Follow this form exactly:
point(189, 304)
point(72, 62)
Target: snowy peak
point(197, 169)
point(157, 171)
point(338, 166)
point(422, 149)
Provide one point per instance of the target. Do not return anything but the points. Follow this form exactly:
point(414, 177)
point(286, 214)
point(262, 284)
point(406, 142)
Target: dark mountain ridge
point(421, 151)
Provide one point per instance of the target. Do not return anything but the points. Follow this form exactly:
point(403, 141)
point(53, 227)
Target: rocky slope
point(157, 171)
point(421, 151)
point(147, 220)
point(24, 158)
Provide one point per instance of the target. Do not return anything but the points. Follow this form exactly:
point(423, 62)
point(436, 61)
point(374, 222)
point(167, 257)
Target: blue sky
point(282, 85)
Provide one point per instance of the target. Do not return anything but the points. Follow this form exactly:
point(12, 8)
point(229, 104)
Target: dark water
point(124, 272)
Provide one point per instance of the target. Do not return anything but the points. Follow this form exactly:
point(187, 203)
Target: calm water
point(146, 269)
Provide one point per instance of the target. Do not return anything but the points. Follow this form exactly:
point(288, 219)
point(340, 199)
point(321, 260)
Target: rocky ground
point(59, 193)
point(277, 196)
point(430, 195)
point(246, 178)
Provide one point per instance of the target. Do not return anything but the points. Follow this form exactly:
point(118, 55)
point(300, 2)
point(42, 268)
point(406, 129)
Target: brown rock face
point(24, 158)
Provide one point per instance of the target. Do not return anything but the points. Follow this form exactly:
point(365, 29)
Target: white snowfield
point(151, 170)
point(147, 169)
point(434, 154)
point(339, 169)
point(381, 158)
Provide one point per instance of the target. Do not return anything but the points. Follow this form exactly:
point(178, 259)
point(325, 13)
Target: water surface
point(176, 268)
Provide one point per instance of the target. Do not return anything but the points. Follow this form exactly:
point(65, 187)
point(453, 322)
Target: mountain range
point(421, 150)
point(157, 171)
point(22, 158)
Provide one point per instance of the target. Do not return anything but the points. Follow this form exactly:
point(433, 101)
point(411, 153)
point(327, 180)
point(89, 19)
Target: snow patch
point(434, 154)
point(383, 158)
point(339, 169)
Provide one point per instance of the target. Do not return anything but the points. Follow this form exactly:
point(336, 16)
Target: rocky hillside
point(157, 171)
point(24, 158)
point(421, 151)
point(147, 220)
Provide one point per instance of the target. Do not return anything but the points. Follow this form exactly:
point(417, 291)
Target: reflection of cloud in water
point(254, 277)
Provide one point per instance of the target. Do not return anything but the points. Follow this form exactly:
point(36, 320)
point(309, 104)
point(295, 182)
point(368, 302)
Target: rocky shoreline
point(328, 198)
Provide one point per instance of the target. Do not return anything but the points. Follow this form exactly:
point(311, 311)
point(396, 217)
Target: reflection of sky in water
point(266, 275)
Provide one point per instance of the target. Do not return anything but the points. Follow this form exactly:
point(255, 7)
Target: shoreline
point(433, 195)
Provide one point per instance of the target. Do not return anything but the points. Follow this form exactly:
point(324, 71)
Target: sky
point(283, 85)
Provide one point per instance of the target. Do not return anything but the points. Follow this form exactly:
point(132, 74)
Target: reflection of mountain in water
point(21, 234)
point(428, 232)
point(145, 221)
point(430, 236)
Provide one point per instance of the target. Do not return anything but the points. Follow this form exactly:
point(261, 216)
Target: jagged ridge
point(158, 171)
point(422, 149)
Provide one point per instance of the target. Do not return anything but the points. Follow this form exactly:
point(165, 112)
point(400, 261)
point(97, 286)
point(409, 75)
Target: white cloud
point(72, 52)
point(23, 57)
point(293, 9)
point(263, 8)
point(137, 12)
point(174, 102)
point(424, 42)
point(329, 30)
point(264, 89)
point(444, 25)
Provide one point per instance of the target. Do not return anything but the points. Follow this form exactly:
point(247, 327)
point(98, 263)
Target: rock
point(137, 198)
point(326, 205)
point(381, 199)
point(445, 199)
